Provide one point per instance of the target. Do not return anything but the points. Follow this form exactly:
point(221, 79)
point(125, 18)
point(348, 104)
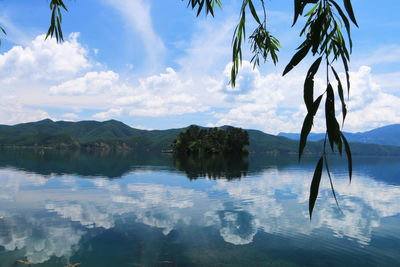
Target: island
point(197, 141)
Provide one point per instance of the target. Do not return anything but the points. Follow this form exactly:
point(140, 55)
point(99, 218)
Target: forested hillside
point(114, 135)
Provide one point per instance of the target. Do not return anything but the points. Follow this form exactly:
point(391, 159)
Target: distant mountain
point(83, 131)
point(110, 134)
point(115, 135)
point(387, 135)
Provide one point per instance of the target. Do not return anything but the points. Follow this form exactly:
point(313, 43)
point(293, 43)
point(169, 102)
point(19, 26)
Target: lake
point(67, 208)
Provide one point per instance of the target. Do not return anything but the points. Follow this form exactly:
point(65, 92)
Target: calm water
point(151, 210)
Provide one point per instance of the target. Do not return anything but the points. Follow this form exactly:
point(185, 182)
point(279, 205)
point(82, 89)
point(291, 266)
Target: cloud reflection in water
point(274, 201)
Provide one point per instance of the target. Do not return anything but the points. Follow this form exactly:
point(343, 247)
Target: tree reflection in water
point(213, 166)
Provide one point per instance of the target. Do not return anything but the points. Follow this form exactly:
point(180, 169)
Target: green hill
point(110, 134)
point(84, 131)
point(115, 135)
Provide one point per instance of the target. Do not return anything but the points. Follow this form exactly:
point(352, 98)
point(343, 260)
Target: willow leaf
point(315, 186)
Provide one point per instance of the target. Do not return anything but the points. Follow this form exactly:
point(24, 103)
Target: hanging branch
point(323, 37)
point(56, 20)
point(262, 43)
point(199, 4)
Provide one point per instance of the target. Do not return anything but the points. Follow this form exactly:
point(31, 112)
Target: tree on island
point(196, 141)
point(323, 37)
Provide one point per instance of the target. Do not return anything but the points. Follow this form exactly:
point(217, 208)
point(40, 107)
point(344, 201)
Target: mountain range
point(387, 135)
point(115, 135)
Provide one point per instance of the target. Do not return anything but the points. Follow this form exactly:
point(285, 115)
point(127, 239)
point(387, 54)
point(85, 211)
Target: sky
point(153, 64)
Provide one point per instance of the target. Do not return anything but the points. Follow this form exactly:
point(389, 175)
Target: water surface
point(151, 210)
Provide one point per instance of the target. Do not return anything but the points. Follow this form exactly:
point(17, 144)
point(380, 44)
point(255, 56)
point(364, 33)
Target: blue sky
point(152, 64)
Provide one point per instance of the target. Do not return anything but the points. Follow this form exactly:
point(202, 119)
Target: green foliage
point(56, 20)
point(42, 140)
point(196, 141)
point(2, 31)
point(323, 37)
point(209, 5)
point(315, 185)
point(55, 29)
point(261, 41)
point(91, 135)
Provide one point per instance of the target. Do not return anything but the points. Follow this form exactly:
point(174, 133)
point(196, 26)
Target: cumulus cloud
point(44, 60)
point(12, 111)
point(34, 84)
point(44, 75)
point(169, 94)
point(269, 102)
point(27, 72)
point(113, 112)
point(273, 103)
point(91, 83)
point(370, 106)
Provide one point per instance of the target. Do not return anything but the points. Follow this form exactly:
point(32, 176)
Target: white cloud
point(47, 75)
point(27, 72)
point(169, 93)
point(44, 59)
point(383, 55)
point(111, 113)
point(92, 83)
point(274, 103)
point(70, 116)
point(140, 127)
point(369, 105)
point(12, 112)
point(269, 102)
point(138, 16)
